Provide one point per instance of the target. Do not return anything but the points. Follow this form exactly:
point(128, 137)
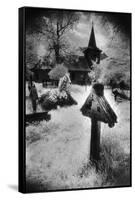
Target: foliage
point(116, 67)
point(54, 28)
point(31, 51)
point(28, 74)
point(95, 73)
point(115, 74)
point(58, 71)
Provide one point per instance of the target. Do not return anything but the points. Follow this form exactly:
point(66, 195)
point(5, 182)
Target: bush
point(57, 72)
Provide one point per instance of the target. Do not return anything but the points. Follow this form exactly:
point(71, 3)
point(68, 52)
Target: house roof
point(40, 67)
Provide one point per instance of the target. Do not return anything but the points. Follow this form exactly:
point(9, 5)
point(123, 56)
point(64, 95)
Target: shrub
point(57, 72)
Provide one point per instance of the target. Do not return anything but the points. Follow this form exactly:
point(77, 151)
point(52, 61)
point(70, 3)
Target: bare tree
point(54, 27)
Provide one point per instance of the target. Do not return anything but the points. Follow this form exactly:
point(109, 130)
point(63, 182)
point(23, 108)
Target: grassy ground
point(57, 152)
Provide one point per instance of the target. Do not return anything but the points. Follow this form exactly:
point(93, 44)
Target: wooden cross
point(98, 109)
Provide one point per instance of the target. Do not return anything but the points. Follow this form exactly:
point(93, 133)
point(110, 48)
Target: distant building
point(79, 76)
point(78, 66)
point(41, 72)
point(78, 71)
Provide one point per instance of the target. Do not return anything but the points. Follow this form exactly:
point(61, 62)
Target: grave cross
point(96, 106)
point(98, 109)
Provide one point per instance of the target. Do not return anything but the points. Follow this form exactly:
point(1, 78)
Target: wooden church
point(79, 70)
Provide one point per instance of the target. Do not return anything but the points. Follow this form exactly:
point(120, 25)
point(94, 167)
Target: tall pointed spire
point(92, 40)
point(92, 52)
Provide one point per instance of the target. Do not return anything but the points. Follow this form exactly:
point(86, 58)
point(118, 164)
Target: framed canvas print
point(74, 99)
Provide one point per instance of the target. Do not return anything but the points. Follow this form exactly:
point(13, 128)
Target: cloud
point(79, 34)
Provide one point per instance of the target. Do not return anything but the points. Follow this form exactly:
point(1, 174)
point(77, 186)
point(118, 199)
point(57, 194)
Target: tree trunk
point(57, 54)
point(57, 49)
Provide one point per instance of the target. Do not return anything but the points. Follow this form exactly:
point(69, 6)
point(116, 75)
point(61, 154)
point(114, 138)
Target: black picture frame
point(22, 104)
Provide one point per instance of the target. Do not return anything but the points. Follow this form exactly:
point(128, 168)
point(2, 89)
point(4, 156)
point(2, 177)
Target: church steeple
point(92, 40)
point(92, 52)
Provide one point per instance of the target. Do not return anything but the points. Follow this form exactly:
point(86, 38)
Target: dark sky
point(121, 20)
point(112, 31)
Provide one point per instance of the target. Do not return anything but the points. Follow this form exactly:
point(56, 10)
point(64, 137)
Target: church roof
point(92, 40)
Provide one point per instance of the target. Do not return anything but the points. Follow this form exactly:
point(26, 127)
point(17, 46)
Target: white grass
point(58, 151)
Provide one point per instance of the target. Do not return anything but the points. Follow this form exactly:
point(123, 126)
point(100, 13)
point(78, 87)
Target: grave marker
point(99, 110)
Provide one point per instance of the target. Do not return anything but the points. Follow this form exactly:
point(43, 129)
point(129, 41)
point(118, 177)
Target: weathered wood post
point(95, 139)
point(98, 109)
point(98, 90)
